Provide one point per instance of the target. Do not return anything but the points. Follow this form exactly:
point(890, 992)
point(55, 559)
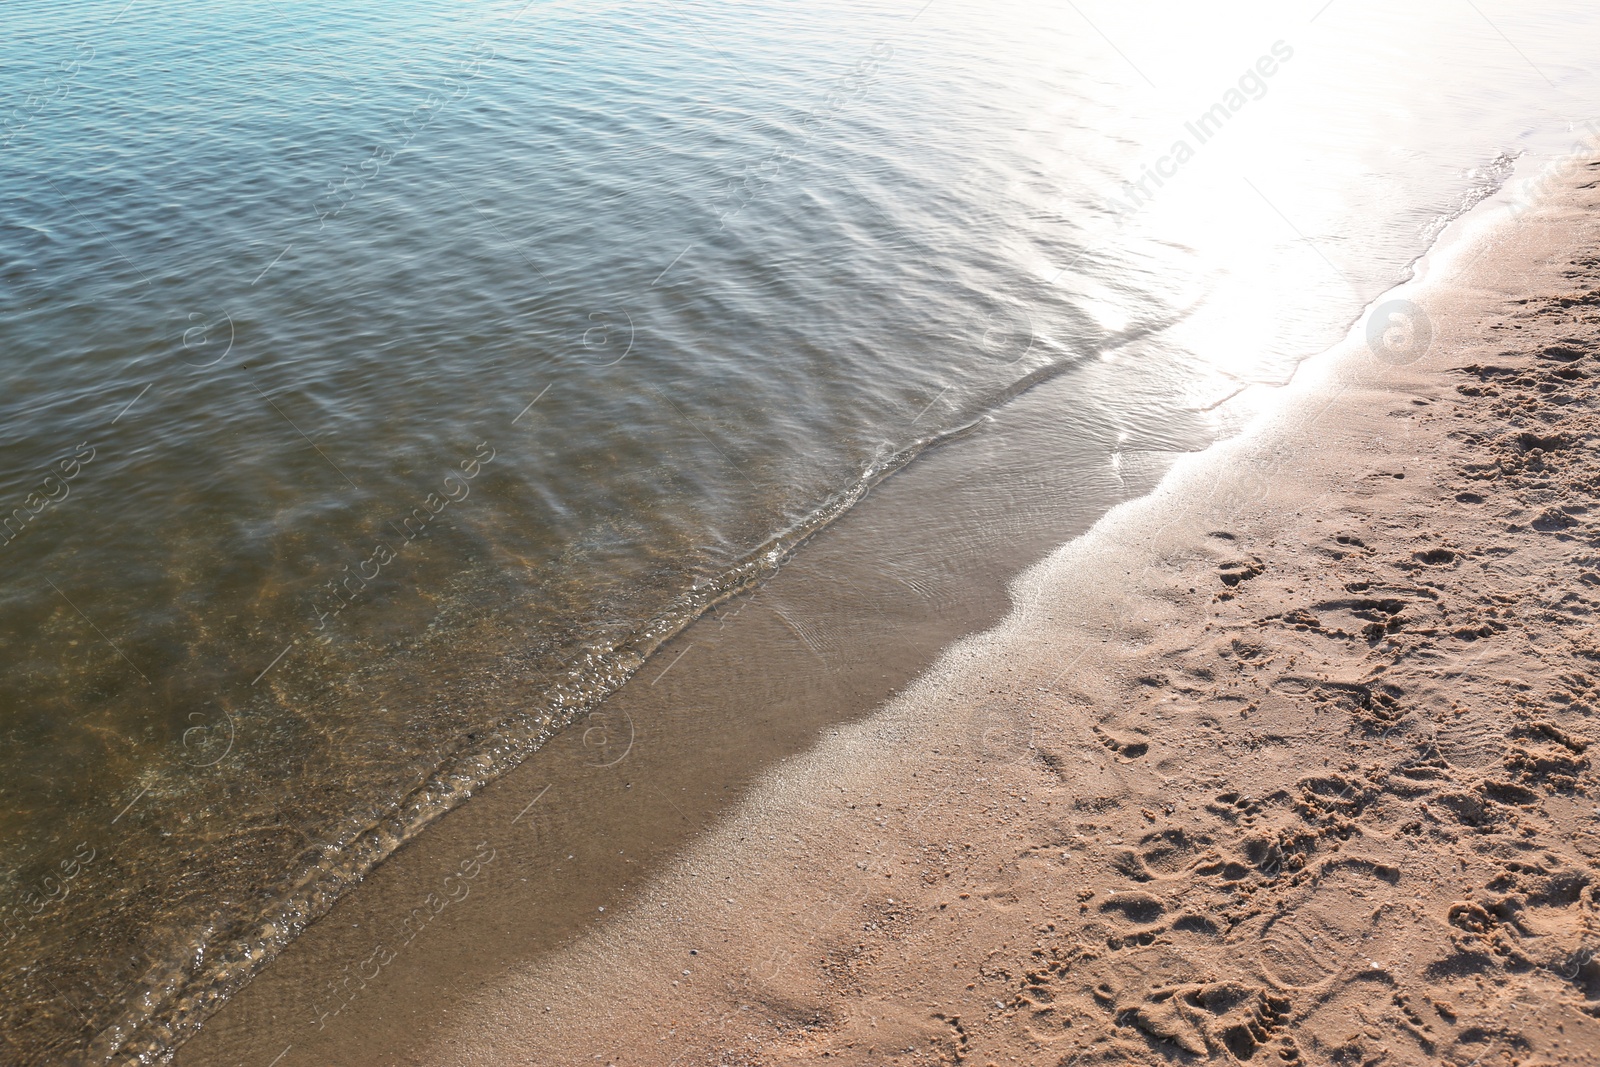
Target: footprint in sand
point(1198, 1018)
point(1321, 931)
point(1127, 749)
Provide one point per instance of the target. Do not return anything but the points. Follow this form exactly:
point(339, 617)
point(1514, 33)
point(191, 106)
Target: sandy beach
point(978, 531)
point(1285, 761)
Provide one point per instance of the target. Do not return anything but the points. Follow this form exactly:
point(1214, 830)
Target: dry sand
point(1286, 762)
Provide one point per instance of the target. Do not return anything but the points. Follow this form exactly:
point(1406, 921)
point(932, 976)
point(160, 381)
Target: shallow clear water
point(382, 384)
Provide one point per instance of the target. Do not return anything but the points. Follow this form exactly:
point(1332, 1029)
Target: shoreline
point(1332, 803)
point(961, 750)
point(749, 685)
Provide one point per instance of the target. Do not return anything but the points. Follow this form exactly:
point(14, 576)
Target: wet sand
point(1287, 759)
point(611, 803)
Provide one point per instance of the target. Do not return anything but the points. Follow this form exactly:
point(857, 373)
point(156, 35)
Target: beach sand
point(1284, 762)
point(1287, 760)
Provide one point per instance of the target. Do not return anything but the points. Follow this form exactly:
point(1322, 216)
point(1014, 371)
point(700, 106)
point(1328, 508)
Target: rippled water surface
point(382, 383)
